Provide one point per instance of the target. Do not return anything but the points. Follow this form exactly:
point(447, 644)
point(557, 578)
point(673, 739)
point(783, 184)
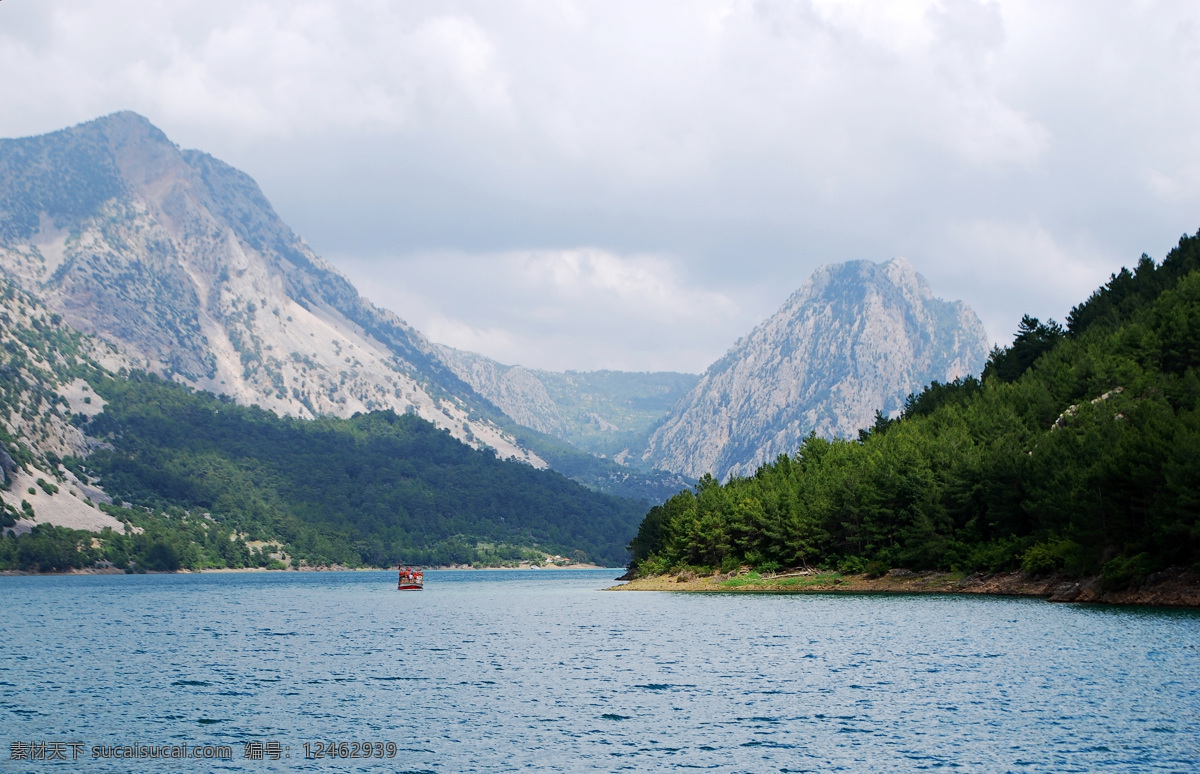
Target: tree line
point(373, 490)
point(1075, 452)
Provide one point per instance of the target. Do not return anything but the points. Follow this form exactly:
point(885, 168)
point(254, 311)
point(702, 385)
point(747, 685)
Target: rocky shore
point(1171, 588)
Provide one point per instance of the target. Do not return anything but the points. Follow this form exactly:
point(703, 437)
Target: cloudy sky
point(635, 185)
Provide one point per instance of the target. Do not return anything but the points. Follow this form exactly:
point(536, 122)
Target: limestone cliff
point(181, 262)
point(856, 338)
point(515, 390)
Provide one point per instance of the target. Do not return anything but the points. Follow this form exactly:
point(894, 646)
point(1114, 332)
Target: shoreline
point(1173, 588)
point(322, 568)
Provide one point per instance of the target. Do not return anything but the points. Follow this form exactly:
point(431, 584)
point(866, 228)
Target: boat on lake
point(410, 579)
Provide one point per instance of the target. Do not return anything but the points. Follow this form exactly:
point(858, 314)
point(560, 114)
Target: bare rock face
point(180, 261)
point(856, 338)
point(515, 390)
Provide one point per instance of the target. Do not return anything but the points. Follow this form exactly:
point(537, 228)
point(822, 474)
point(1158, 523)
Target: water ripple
point(505, 671)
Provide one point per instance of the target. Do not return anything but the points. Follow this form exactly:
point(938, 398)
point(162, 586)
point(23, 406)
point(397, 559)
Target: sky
point(632, 185)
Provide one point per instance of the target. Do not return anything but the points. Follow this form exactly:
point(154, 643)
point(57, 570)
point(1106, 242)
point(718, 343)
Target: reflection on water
point(506, 670)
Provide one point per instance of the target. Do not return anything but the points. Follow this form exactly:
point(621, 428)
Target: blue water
point(541, 670)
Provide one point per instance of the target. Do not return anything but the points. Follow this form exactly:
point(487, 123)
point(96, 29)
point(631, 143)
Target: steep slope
point(377, 488)
point(515, 390)
point(607, 413)
point(180, 261)
point(202, 482)
point(44, 400)
point(612, 413)
point(855, 339)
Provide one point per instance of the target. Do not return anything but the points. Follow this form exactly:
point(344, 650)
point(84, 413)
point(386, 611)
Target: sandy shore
point(1176, 588)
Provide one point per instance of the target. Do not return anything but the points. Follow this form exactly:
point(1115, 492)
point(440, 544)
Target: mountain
point(607, 413)
point(856, 338)
point(105, 465)
point(1074, 455)
point(180, 261)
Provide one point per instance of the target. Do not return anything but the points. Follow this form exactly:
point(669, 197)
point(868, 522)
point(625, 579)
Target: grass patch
point(749, 579)
point(946, 579)
point(800, 581)
point(824, 579)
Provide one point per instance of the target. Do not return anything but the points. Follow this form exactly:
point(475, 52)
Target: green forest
point(1077, 451)
point(205, 483)
point(209, 481)
point(374, 489)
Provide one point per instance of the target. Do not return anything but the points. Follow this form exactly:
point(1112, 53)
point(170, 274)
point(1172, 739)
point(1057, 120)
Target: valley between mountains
point(185, 384)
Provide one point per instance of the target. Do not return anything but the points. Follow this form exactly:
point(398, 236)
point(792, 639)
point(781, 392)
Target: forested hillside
point(373, 489)
point(43, 398)
point(1077, 452)
point(102, 466)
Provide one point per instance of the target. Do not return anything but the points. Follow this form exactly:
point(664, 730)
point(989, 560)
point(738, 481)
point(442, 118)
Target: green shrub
point(998, 555)
point(852, 565)
point(876, 569)
point(161, 557)
point(652, 565)
point(1053, 556)
point(1123, 572)
point(742, 580)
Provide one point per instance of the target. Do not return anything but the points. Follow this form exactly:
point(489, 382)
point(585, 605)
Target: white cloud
point(262, 69)
point(583, 309)
point(702, 146)
point(1002, 261)
point(647, 284)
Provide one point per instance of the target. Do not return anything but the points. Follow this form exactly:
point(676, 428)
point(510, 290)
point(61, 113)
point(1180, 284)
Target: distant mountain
point(857, 338)
point(180, 261)
point(607, 413)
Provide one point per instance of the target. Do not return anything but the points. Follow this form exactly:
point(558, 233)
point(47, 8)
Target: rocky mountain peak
point(857, 337)
point(180, 261)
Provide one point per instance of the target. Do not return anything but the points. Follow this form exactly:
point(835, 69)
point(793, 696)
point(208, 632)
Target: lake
point(541, 670)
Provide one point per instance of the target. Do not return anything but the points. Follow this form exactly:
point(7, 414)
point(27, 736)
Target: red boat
point(410, 579)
